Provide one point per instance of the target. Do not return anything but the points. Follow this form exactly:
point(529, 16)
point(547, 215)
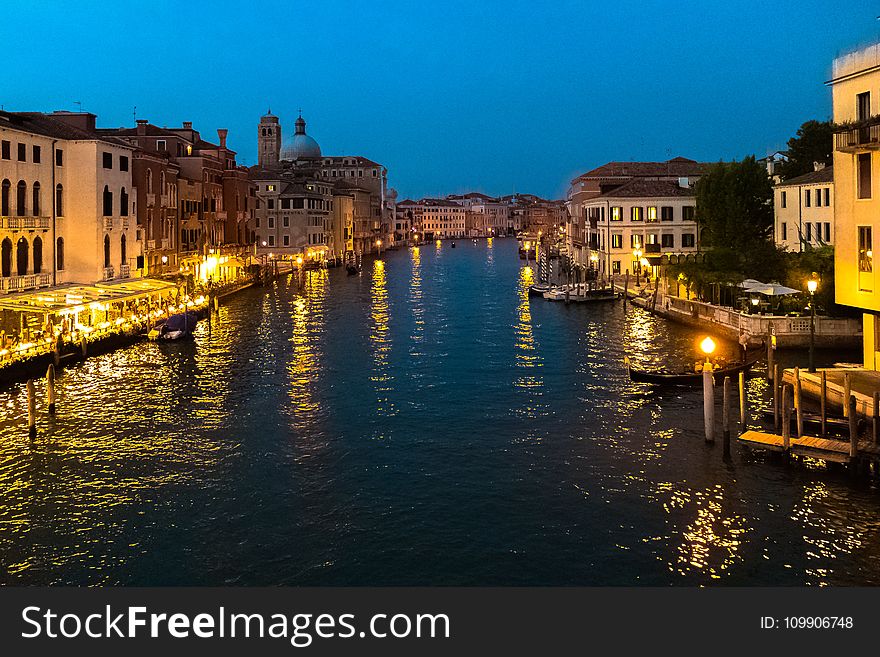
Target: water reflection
point(526, 353)
point(380, 341)
point(307, 321)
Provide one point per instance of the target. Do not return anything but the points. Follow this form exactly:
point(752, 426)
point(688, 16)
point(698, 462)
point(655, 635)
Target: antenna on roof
point(79, 105)
point(134, 113)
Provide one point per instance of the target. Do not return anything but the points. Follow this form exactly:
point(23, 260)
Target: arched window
point(108, 202)
point(36, 204)
point(149, 181)
point(6, 258)
point(122, 250)
point(123, 203)
point(162, 189)
point(106, 250)
point(38, 255)
point(21, 199)
point(59, 254)
point(59, 200)
point(21, 256)
point(4, 201)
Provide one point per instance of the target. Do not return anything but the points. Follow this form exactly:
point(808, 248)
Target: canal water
point(421, 423)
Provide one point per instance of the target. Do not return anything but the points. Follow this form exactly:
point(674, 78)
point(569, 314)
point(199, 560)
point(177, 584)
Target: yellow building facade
point(855, 87)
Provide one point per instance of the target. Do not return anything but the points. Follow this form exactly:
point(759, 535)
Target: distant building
point(679, 175)
point(67, 202)
point(803, 210)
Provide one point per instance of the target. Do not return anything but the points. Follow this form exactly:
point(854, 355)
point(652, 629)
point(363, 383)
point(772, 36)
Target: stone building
point(803, 210)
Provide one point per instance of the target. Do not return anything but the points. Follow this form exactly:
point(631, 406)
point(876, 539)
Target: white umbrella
point(774, 290)
point(751, 283)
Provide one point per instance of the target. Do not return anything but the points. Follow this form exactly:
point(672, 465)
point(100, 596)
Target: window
point(22, 152)
point(286, 240)
point(36, 155)
point(635, 214)
point(270, 203)
point(784, 227)
point(161, 145)
point(106, 250)
point(782, 199)
point(4, 150)
point(666, 213)
point(59, 157)
point(818, 198)
point(617, 241)
point(285, 204)
point(123, 203)
point(864, 181)
point(35, 206)
point(108, 204)
point(616, 213)
point(20, 199)
point(38, 255)
point(687, 213)
point(807, 198)
point(149, 181)
point(59, 200)
point(635, 241)
point(59, 253)
point(286, 221)
point(21, 256)
point(866, 253)
point(652, 214)
point(6, 250)
point(270, 188)
point(4, 200)
point(271, 222)
point(863, 105)
point(827, 196)
point(827, 231)
point(122, 253)
point(667, 241)
point(108, 160)
point(687, 240)
point(257, 225)
point(808, 231)
point(651, 238)
point(615, 267)
point(123, 163)
point(271, 240)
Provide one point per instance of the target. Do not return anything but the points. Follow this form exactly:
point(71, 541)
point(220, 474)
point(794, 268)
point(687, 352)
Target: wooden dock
point(826, 449)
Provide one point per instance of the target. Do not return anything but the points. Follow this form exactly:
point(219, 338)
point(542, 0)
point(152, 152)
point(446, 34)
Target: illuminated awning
point(75, 298)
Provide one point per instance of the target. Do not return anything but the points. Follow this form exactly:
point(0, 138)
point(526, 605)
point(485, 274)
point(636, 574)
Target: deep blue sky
point(450, 96)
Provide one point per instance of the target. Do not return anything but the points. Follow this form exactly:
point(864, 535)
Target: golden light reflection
point(380, 340)
point(307, 320)
point(525, 344)
point(415, 297)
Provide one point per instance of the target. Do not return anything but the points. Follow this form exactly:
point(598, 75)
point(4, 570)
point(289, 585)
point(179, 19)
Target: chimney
point(818, 166)
point(187, 125)
point(221, 132)
point(81, 120)
point(142, 126)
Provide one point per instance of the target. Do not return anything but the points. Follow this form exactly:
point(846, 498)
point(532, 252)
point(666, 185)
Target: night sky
point(498, 97)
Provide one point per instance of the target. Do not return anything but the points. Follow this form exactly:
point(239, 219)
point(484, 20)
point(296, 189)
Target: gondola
point(686, 378)
point(538, 289)
point(453, 245)
point(352, 270)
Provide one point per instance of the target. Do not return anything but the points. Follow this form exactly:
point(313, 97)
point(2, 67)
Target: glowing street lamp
point(812, 286)
point(379, 246)
point(708, 347)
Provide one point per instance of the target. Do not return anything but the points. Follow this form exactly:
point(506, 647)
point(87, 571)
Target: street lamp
point(637, 253)
point(379, 246)
point(812, 286)
point(708, 346)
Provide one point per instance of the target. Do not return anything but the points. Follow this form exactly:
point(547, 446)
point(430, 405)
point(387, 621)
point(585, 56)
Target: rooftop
point(824, 175)
point(641, 188)
point(676, 167)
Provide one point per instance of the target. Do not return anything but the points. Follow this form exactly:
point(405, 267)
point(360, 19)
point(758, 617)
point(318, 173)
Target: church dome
point(300, 145)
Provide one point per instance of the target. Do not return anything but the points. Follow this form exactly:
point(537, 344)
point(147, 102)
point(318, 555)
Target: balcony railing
point(108, 223)
point(124, 271)
point(163, 200)
point(151, 245)
point(108, 273)
point(151, 200)
point(166, 243)
point(857, 138)
point(27, 282)
point(25, 223)
point(125, 223)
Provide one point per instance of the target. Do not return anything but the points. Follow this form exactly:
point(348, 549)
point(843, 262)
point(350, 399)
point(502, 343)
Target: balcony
point(151, 245)
point(108, 223)
point(124, 271)
point(163, 200)
point(25, 223)
point(862, 136)
point(27, 282)
point(125, 223)
point(165, 243)
point(108, 273)
point(151, 200)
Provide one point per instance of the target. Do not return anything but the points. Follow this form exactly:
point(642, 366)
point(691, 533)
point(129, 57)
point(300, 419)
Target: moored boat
point(683, 378)
point(176, 327)
point(538, 289)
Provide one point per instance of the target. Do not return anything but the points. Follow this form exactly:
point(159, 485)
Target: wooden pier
point(825, 449)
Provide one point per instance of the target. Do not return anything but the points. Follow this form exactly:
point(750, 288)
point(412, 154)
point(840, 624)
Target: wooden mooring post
point(823, 402)
point(847, 393)
point(743, 409)
point(32, 409)
point(786, 417)
point(776, 393)
point(798, 402)
point(853, 427)
point(709, 404)
point(725, 419)
point(771, 360)
point(625, 287)
point(875, 425)
point(50, 388)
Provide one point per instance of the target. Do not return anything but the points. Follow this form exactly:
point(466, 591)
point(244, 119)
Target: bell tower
point(269, 140)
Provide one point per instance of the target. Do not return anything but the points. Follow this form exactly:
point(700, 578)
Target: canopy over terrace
point(68, 299)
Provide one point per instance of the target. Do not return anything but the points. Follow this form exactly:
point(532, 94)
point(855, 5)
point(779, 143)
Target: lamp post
point(379, 246)
point(708, 346)
point(812, 286)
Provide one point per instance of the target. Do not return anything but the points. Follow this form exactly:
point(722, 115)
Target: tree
point(813, 143)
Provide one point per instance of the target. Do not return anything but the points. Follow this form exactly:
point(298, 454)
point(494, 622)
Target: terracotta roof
point(361, 161)
point(825, 175)
point(677, 166)
point(43, 124)
point(641, 188)
point(150, 130)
